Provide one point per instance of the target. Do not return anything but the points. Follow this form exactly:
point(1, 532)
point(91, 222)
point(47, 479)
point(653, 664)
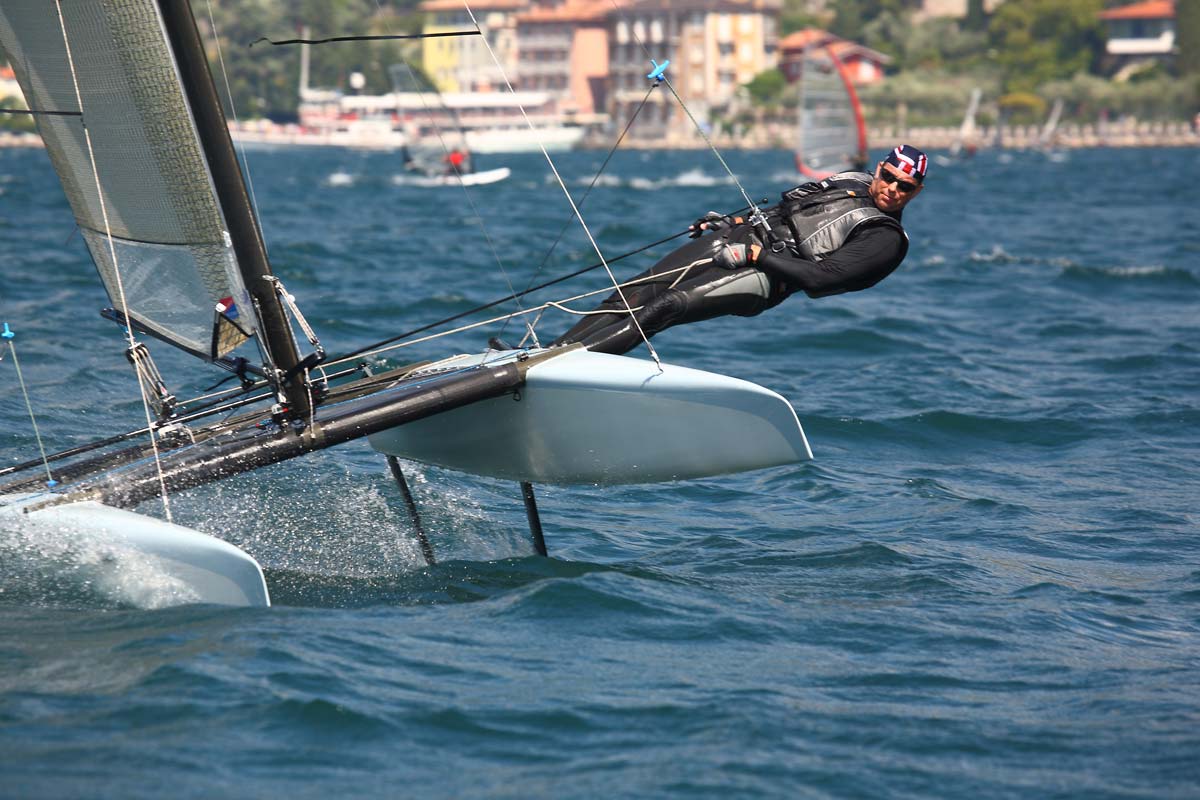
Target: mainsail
point(832, 135)
point(120, 132)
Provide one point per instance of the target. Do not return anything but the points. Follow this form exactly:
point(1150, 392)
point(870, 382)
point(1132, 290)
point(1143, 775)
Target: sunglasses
point(886, 177)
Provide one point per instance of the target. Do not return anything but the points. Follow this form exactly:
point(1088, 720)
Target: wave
point(694, 177)
point(1152, 273)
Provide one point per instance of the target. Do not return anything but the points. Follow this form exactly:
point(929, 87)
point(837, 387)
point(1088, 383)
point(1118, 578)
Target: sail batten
point(160, 225)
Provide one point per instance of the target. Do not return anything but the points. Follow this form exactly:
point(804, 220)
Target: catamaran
point(134, 127)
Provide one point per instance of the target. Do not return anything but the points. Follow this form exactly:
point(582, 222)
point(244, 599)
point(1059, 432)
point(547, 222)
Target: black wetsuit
point(665, 295)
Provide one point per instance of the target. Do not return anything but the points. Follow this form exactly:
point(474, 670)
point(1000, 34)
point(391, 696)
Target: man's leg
point(669, 295)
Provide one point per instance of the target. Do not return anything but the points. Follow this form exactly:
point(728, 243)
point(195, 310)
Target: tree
point(1187, 37)
point(1041, 40)
point(767, 87)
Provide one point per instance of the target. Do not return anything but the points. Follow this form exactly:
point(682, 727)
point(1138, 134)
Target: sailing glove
point(735, 256)
point(712, 221)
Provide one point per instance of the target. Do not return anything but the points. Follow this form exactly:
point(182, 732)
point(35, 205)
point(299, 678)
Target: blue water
point(986, 584)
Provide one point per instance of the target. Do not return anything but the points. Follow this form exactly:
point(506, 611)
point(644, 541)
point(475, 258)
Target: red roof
point(798, 40)
point(570, 11)
point(844, 49)
point(481, 5)
point(1147, 9)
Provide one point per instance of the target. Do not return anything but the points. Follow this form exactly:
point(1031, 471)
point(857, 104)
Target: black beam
point(213, 130)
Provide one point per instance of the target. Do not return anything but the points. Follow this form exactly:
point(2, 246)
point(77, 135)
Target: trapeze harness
point(811, 223)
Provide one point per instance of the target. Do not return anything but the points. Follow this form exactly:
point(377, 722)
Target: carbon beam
point(253, 447)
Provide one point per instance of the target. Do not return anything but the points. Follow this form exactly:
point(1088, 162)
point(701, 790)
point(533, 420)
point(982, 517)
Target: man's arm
point(866, 258)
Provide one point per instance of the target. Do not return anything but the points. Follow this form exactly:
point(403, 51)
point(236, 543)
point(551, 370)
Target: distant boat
point(1048, 136)
point(448, 179)
point(965, 142)
point(831, 134)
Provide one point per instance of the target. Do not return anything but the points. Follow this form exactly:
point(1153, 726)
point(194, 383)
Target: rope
point(757, 216)
point(446, 149)
point(558, 304)
point(566, 223)
point(566, 191)
point(112, 253)
point(29, 405)
point(494, 303)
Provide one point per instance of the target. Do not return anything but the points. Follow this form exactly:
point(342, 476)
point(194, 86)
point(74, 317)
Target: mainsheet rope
point(113, 254)
point(567, 192)
point(558, 304)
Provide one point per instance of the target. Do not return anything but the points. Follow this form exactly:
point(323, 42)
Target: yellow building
point(463, 63)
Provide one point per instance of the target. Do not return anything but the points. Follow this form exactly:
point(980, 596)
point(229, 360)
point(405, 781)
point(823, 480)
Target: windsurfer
point(457, 162)
point(842, 234)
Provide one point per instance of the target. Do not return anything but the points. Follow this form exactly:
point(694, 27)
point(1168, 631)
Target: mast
point(213, 131)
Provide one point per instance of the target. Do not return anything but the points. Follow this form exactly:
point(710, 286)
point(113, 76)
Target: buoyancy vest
point(821, 215)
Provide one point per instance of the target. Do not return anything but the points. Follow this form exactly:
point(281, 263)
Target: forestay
point(105, 83)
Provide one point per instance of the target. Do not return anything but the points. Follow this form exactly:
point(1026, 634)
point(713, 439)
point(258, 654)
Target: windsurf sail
point(966, 131)
point(106, 84)
point(832, 134)
point(1046, 137)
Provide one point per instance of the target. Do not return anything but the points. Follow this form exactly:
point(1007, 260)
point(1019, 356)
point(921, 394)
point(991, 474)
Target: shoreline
point(777, 136)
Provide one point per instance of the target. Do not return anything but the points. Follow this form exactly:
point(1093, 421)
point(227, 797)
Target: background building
point(714, 47)
point(563, 50)
point(462, 63)
point(1139, 35)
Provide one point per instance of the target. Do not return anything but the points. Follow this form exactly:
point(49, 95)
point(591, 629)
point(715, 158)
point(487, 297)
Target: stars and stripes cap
point(909, 160)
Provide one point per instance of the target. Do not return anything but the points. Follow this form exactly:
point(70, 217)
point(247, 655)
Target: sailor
point(457, 162)
point(841, 234)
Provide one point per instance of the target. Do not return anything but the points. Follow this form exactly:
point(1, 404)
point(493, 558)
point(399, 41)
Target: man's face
point(892, 189)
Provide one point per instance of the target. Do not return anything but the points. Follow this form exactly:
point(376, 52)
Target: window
point(724, 29)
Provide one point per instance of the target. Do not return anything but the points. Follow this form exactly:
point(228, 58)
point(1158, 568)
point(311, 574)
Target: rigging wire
point(757, 215)
point(466, 191)
point(8, 335)
point(582, 223)
point(245, 162)
point(462, 184)
point(558, 304)
point(505, 299)
point(112, 254)
point(603, 166)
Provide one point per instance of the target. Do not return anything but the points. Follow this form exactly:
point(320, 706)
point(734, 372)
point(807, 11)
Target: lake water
point(986, 584)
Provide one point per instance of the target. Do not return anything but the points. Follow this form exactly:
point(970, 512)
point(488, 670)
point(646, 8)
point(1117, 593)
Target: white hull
point(590, 418)
point(469, 179)
point(136, 559)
